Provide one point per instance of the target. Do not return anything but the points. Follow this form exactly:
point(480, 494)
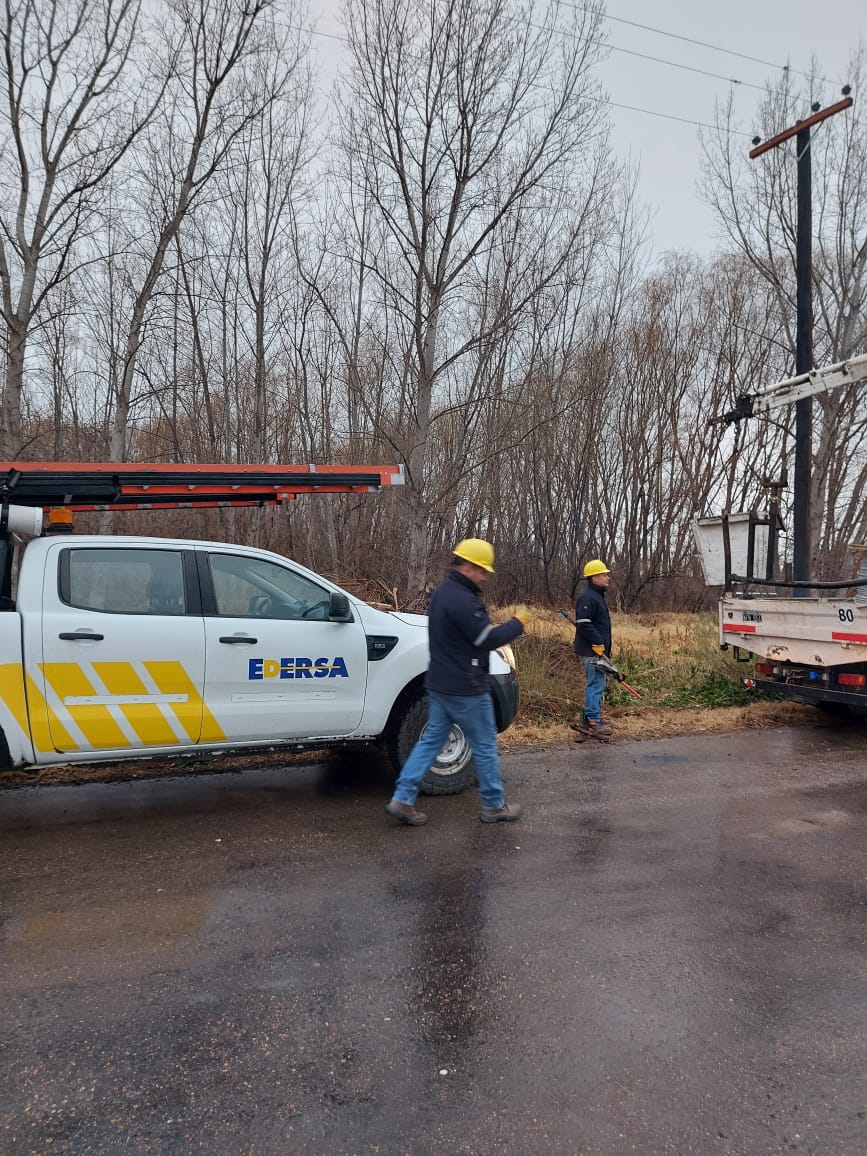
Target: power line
point(688, 68)
point(670, 63)
point(627, 107)
point(630, 52)
point(700, 43)
point(660, 60)
point(671, 116)
point(319, 32)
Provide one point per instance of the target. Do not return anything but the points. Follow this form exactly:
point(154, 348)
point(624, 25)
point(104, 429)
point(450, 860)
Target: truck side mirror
point(339, 609)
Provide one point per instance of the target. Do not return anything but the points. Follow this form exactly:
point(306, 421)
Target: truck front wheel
point(453, 771)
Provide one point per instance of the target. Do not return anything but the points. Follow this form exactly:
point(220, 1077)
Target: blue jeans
point(595, 689)
point(474, 714)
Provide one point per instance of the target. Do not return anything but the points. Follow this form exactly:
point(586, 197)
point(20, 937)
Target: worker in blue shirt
point(458, 685)
point(592, 641)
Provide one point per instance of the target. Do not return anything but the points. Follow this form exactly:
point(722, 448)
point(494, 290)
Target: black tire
point(453, 772)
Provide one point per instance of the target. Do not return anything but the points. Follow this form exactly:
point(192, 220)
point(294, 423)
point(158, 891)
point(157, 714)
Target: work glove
point(524, 617)
point(599, 650)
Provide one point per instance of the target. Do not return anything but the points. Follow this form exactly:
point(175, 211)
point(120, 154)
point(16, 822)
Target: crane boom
point(792, 389)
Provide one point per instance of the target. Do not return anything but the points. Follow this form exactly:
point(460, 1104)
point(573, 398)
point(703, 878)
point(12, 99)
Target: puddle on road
point(127, 938)
point(814, 811)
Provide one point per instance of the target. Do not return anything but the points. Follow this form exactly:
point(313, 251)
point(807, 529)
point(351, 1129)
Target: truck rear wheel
point(453, 771)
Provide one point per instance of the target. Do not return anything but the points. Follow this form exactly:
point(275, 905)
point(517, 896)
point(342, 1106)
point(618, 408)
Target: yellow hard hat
point(476, 551)
point(595, 566)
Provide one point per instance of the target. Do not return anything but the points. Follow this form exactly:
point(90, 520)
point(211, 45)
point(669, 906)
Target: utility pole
point(802, 545)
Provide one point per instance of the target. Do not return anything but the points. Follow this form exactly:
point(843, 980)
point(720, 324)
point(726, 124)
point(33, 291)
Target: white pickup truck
point(117, 648)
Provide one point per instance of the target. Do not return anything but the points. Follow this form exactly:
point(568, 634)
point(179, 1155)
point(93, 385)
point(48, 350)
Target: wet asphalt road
point(669, 955)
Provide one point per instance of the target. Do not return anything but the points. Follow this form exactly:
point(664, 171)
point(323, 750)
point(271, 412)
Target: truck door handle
point(80, 636)
point(233, 639)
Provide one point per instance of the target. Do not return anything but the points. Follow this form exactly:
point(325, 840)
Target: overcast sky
point(778, 31)
point(775, 31)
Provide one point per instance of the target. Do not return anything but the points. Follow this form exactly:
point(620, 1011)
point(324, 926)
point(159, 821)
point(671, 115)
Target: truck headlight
point(508, 656)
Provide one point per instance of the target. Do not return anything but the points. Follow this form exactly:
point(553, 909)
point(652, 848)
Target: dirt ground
point(628, 722)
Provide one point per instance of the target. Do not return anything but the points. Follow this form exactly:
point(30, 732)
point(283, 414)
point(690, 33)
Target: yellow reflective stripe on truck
point(193, 715)
point(37, 718)
point(35, 722)
point(12, 694)
point(46, 729)
point(95, 722)
point(145, 718)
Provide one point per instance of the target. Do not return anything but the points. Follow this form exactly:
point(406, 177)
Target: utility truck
point(117, 647)
point(811, 648)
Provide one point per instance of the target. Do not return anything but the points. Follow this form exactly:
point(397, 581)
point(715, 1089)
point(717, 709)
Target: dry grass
point(688, 685)
point(648, 723)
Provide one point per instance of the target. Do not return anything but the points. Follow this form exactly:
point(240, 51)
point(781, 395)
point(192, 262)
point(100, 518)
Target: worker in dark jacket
point(592, 641)
point(458, 685)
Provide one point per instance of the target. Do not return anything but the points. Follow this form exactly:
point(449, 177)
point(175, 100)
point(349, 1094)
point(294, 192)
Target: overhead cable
point(690, 40)
point(671, 116)
point(688, 68)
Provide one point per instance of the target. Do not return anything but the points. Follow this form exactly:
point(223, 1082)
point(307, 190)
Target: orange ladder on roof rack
point(149, 486)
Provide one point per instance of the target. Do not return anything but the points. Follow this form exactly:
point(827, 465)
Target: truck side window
point(247, 587)
point(123, 581)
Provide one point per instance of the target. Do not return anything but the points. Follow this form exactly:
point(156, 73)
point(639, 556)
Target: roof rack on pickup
point(139, 486)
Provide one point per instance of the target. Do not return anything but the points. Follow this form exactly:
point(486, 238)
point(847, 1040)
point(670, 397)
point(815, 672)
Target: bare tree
point(218, 90)
point(73, 107)
point(458, 118)
point(265, 185)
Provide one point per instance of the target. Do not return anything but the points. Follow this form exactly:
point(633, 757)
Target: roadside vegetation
point(688, 685)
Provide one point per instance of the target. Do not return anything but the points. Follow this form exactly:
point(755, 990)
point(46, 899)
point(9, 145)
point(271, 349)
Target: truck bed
point(823, 632)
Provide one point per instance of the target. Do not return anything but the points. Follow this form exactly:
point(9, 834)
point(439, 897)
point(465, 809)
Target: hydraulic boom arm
point(794, 388)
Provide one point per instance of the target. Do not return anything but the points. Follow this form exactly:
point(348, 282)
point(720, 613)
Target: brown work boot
point(588, 729)
point(579, 722)
point(407, 813)
point(508, 813)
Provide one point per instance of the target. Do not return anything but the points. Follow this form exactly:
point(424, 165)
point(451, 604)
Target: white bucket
point(708, 534)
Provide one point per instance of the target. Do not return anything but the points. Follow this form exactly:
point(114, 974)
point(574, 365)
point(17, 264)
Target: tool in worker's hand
point(605, 664)
point(607, 667)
